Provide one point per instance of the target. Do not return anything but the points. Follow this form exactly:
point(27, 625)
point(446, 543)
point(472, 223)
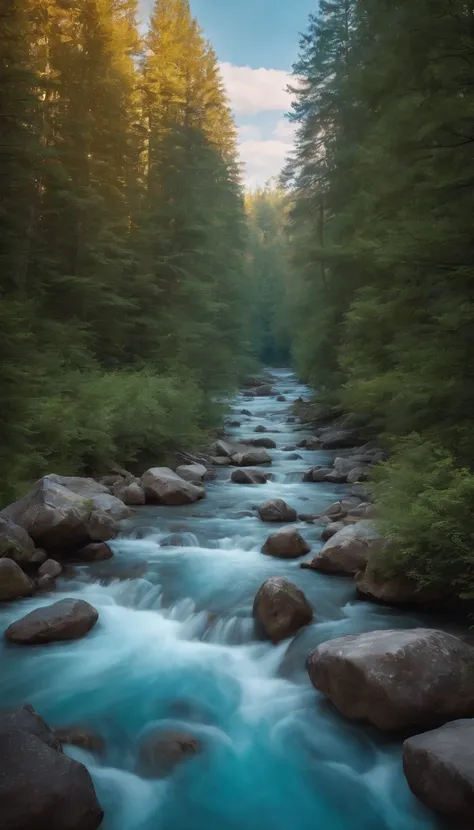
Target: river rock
point(131, 494)
point(246, 412)
point(45, 584)
point(286, 543)
point(95, 552)
point(289, 448)
point(375, 586)
point(313, 443)
point(68, 619)
point(13, 582)
point(266, 443)
point(15, 543)
point(333, 477)
point(364, 510)
point(397, 680)
point(220, 461)
point(39, 557)
point(163, 486)
point(263, 391)
point(249, 476)
point(439, 768)
point(80, 736)
point(251, 458)
point(348, 551)
point(260, 428)
point(224, 449)
point(337, 438)
point(96, 493)
point(317, 474)
point(191, 472)
point(50, 568)
point(57, 517)
point(40, 787)
point(276, 510)
point(281, 609)
point(281, 398)
point(331, 529)
point(359, 474)
point(161, 752)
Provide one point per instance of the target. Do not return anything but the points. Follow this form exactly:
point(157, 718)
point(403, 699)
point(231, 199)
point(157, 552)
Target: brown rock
point(397, 680)
point(348, 551)
point(163, 486)
point(397, 590)
point(161, 752)
point(50, 568)
point(286, 543)
point(439, 768)
point(276, 510)
point(265, 442)
point(13, 582)
point(45, 584)
point(251, 458)
point(81, 736)
point(331, 529)
point(249, 476)
point(131, 494)
point(68, 619)
point(281, 609)
point(40, 787)
point(95, 552)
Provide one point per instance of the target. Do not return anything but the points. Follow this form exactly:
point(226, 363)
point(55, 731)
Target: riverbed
point(175, 650)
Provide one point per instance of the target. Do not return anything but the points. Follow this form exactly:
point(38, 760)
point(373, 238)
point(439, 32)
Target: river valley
point(175, 649)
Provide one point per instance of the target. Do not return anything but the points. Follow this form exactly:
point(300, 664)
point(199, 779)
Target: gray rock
point(348, 551)
point(397, 680)
point(40, 787)
point(163, 486)
point(266, 443)
point(15, 543)
point(260, 428)
point(337, 438)
point(131, 494)
point(251, 458)
point(276, 510)
point(13, 582)
point(286, 543)
point(331, 529)
point(358, 474)
point(439, 768)
point(333, 477)
point(68, 619)
point(50, 568)
point(246, 412)
point(191, 472)
point(249, 476)
point(263, 391)
point(95, 552)
point(281, 609)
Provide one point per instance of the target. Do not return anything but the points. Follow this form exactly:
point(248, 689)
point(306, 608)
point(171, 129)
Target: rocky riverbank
point(415, 682)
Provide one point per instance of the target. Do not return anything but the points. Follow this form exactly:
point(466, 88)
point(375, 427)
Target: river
point(175, 649)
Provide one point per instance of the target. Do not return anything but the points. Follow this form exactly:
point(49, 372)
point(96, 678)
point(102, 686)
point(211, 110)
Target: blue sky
point(256, 42)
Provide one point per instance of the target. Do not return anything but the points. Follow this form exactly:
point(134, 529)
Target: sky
point(256, 42)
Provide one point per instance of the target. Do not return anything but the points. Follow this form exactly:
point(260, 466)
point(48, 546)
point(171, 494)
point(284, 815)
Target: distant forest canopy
point(125, 268)
point(382, 256)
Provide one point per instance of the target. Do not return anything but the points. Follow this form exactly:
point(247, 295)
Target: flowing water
point(174, 649)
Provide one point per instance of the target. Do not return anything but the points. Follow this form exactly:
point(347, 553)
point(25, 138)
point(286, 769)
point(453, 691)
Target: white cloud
point(285, 130)
point(256, 90)
point(263, 159)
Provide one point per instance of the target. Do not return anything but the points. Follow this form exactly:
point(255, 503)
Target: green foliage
point(425, 511)
point(122, 236)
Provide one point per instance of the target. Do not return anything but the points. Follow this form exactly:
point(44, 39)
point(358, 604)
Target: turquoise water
point(174, 649)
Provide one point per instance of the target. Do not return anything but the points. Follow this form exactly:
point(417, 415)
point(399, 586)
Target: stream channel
point(175, 649)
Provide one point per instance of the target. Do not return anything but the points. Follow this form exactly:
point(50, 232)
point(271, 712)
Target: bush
point(425, 507)
point(93, 418)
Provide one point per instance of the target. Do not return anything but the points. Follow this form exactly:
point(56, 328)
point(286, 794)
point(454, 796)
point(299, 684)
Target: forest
point(140, 282)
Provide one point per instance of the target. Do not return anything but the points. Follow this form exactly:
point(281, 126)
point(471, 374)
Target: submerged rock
point(348, 551)
point(260, 428)
point(80, 736)
point(68, 619)
point(397, 680)
point(286, 543)
point(163, 486)
point(249, 476)
point(40, 787)
point(439, 768)
point(13, 582)
point(276, 510)
point(281, 609)
point(161, 752)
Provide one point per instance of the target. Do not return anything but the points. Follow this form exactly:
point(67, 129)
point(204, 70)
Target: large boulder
point(397, 680)
point(161, 752)
point(68, 619)
point(277, 510)
point(374, 585)
point(251, 458)
point(191, 472)
point(286, 543)
point(348, 551)
point(98, 494)
point(281, 609)
point(131, 494)
point(331, 529)
point(266, 443)
point(13, 582)
point(331, 438)
point(263, 391)
point(317, 474)
point(40, 787)
point(95, 552)
point(249, 476)
point(163, 486)
point(359, 473)
point(57, 517)
point(439, 768)
point(15, 542)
